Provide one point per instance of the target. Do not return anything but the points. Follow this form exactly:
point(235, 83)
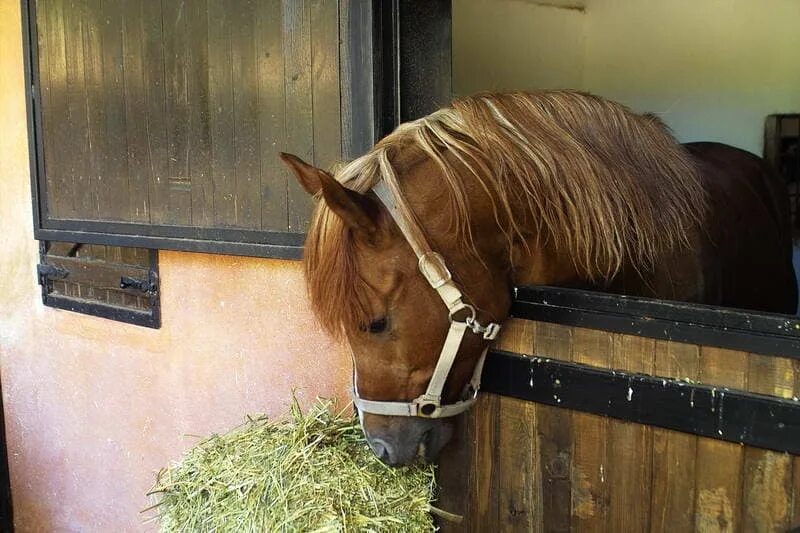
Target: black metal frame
point(736, 329)
point(716, 412)
point(151, 319)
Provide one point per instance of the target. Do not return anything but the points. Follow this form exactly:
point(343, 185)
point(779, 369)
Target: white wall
point(515, 44)
point(712, 68)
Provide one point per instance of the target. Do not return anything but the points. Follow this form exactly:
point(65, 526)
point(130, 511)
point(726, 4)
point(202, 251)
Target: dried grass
point(309, 472)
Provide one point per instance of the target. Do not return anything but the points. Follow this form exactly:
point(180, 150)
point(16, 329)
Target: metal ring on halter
point(472, 313)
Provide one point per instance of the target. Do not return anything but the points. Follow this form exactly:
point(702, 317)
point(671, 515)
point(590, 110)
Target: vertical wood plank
point(299, 103)
point(155, 113)
point(484, 477)
point(135, 121)
point(325, 82)
point(247, 163)
point(77, 144)
point(519, 487)
point(113, 186)
point(453, 475)
point(86, 192)
point(178, 110)
point(199, 150)
point(767, 500)
point(590, 464)
point(719, 466)
point(222, 120)
point(674, 453)
point(57, 125)
point(555, 437)
point(271, 115)
point(43, 8)
point(630, 454)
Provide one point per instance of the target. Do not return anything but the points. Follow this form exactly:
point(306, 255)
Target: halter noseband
point(433, 268)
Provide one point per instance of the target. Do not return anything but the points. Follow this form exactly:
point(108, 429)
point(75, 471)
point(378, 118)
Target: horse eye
point(376, 326)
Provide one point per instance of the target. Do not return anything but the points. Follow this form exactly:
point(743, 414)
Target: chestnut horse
point(552, 188)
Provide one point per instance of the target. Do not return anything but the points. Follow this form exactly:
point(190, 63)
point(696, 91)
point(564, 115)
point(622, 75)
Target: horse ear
point(307, 175)
point(353, 208)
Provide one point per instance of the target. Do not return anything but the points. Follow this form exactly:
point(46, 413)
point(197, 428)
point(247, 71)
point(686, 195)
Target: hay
point(312, 472)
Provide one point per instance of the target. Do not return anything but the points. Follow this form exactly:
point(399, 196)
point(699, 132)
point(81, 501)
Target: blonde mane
point(597, 182)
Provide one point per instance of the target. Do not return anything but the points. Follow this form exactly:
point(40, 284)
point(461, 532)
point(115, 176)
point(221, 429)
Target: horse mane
point(599, 183)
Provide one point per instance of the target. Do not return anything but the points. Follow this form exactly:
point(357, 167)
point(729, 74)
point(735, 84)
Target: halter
point(434, 269)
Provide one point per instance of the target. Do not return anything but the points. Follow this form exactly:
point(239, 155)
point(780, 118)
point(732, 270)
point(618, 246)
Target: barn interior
point(713, 71)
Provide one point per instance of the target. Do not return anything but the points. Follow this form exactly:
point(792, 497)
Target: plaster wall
point(94, 408)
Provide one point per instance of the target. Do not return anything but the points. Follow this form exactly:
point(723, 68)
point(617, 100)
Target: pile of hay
point(311, 472)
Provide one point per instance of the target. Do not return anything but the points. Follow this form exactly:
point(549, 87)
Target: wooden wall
point(521, 466)
point(172, 113)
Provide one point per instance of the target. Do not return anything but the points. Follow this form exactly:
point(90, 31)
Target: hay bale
point(310, 472)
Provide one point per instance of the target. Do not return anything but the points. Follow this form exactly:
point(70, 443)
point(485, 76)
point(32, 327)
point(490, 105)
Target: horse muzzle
point(405, 440)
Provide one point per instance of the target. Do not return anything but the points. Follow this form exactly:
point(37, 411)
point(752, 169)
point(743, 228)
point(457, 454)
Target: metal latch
point(45, 272)
point(147, 286)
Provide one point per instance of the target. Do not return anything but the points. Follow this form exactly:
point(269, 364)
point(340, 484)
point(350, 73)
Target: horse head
point(367, 279)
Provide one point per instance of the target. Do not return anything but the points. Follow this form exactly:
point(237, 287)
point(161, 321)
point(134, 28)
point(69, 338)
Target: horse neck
point(521, 260)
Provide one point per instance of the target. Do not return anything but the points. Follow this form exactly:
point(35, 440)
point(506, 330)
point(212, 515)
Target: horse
point(414, 248)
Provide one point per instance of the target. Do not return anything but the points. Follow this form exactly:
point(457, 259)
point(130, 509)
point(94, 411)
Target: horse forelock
point(603, 185)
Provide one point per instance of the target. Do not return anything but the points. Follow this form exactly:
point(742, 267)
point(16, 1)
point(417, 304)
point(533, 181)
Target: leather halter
point(433, 268)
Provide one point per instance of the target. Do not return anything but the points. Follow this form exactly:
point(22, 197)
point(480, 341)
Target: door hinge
point(47, 272)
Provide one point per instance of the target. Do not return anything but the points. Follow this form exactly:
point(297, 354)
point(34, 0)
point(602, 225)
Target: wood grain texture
point(135, 122)
point(271, 115)
point(222, 113)
point(201, 193)
point(554, 435)
point(95, 146)
point(453, 475)
point(630, 452)
point(484, 477)
point(173, 113)
point(177, 68)
point(154, 113)
point(325, 82)
point(518, 466)
point(541, 468)
point(591, 433)
point(113, 184)
point(719, 468)
point(247, 163)
point(674, 454)
point(299, 103)
point(767, 498)
point(58, 137)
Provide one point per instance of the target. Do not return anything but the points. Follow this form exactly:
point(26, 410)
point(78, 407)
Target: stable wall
point(712, 69)
point(94, 408)
point(516, 44)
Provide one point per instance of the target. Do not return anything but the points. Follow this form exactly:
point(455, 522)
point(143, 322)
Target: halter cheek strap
point(433, 268)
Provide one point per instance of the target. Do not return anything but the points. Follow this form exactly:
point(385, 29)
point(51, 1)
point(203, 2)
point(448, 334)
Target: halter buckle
point(433, 268)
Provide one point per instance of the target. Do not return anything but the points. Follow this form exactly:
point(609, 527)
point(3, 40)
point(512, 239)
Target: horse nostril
point(382, 449)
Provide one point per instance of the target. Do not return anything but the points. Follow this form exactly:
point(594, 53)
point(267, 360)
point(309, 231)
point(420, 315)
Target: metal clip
point(489, 331)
